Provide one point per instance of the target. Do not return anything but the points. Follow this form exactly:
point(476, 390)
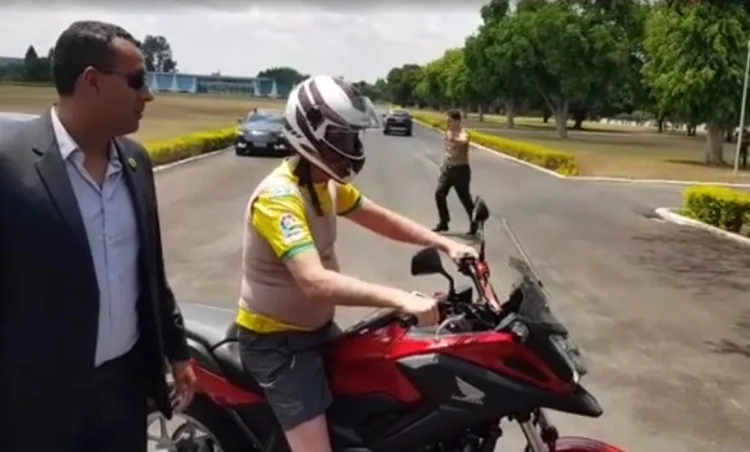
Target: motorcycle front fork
point(540, 434)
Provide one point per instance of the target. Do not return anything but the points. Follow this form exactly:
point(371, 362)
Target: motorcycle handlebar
point(410, 320)
point(468, 266)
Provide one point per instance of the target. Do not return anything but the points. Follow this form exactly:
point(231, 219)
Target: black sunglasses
point(135, 80)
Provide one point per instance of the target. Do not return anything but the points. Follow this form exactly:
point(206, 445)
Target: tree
point(36, 69)
point(284, 76)
point(508, 65)
point(695, 65)
point(430, 88)
point(374, 92)
point(402, 82)
point(564, 53)
point(158, 54)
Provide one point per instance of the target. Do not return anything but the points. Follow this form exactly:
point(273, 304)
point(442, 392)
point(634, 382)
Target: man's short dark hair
point(83, 44)
point(454, 115)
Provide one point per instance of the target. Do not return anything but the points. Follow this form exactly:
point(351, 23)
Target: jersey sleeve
point(278, 214)
point(348, 199)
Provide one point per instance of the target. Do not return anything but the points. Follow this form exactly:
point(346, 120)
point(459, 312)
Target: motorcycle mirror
point(427, 261)
point(479, 216)
point(481, 211)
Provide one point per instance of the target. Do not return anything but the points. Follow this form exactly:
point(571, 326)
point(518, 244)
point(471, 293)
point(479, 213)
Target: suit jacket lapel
point(135, 179)
point(51, 169)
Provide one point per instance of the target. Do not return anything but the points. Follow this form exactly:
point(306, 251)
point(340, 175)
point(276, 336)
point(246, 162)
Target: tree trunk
point(561, 119)
point(546, 115)
point(714, 145)
point(729, 135)
point(661, 123)
point(510, 117)
point(481, 113)
point(578, 117)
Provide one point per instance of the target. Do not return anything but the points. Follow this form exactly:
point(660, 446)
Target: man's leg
point(445, 183)
point(463, 190)
point(290, 369)
point(118, 409)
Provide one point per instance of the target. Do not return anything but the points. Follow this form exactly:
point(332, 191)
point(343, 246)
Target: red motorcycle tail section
point(577, 444)
point(220, 390)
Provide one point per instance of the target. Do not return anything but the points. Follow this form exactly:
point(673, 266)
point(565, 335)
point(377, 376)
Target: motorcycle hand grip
point(410, 320)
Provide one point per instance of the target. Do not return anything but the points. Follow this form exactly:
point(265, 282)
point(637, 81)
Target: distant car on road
point(397, 120)
point(260, 134)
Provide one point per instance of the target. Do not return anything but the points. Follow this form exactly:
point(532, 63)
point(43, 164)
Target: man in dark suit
point(86, 315)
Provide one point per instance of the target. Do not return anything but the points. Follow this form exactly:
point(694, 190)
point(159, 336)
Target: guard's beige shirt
point(457, 153)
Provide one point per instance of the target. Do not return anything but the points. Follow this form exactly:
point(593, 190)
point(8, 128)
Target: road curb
point(167, 166)
point(626, 180)
point(594, 178)
point(669, 214)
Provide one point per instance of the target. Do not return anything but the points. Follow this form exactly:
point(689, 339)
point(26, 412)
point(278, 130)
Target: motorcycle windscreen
point(375, 121)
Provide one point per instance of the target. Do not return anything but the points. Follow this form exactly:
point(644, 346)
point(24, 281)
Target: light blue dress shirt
point(112, 232)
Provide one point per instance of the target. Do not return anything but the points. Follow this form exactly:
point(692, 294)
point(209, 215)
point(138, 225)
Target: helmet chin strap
point(303, 171)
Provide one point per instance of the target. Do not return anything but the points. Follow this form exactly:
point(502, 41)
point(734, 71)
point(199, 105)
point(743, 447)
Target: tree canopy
point(681, 61)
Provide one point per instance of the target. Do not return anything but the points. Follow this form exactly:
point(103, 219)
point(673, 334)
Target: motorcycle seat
point(227, 355)
point(208, 325)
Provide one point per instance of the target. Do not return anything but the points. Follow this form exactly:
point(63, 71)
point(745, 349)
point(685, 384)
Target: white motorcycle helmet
point(323, 119)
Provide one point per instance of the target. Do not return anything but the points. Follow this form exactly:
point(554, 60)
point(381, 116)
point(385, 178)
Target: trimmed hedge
point(168, 151)
point(560, 162)
point(718, 206)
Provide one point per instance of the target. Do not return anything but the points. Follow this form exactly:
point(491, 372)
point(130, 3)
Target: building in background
point(179, 82)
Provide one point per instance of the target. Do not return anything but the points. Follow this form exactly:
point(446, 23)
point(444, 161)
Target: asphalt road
point(657, 308)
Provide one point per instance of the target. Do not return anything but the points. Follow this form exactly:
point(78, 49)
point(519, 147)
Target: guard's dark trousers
point(458, 177)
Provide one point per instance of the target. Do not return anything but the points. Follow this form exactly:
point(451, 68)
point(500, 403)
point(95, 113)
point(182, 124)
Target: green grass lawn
point(621, 151)
point(168, 116)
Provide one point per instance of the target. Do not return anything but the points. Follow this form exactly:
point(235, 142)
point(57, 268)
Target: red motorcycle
point(402, 388)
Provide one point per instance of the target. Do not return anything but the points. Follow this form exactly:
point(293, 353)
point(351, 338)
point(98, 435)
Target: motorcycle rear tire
point(219, 425)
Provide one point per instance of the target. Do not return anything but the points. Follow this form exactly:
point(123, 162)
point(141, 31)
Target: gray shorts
point(290, 368)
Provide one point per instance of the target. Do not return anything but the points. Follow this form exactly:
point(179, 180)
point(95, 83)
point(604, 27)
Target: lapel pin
point(132, 163)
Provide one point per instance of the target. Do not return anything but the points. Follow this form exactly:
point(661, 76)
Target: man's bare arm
point(394, 226)
point(320, 284)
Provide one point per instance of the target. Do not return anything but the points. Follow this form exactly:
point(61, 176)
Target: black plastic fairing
point(203, 357)
point(580, 402)
point(457, 395)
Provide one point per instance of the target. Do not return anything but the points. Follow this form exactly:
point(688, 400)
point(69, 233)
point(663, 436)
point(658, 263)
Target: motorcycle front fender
point(579, 402)
point(578, 444)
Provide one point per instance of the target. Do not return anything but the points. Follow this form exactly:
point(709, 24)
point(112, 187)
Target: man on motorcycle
point(291, 281)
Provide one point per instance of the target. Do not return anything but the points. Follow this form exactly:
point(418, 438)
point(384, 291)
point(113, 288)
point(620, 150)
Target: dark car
point(260, 134)
point(397, 121)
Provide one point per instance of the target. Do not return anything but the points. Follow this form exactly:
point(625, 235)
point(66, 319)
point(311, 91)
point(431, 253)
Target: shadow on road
point(696, 260)
point(733, 346)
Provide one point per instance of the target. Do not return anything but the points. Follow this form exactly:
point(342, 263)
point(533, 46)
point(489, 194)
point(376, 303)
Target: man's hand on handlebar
point(458, 251)
point(423, 307)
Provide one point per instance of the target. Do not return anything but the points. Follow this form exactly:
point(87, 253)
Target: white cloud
point(358, 44)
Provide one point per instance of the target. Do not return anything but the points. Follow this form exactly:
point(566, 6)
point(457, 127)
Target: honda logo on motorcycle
point(469, 393)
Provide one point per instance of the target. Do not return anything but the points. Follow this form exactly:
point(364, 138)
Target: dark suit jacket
point(49, 299)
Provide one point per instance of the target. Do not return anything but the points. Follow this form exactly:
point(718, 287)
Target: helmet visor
point(344, 153)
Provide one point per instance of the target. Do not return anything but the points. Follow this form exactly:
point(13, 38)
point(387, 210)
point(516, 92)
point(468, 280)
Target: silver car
point(260, 134)
point(8, 121)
